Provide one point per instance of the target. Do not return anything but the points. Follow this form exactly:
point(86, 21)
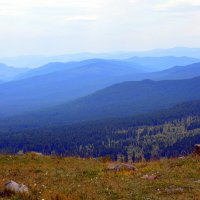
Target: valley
point(89, 109)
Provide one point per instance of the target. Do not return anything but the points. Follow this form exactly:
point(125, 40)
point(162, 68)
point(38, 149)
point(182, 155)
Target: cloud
point(80, 18)
point(178, 5)
point(10, 13)
point(47, 7)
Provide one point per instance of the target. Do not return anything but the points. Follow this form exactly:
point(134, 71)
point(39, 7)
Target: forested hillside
point(165, 133)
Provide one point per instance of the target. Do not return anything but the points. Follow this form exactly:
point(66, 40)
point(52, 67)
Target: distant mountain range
point(61, 86)
point(120, 100)
point(177, 52)
point(36, 61)
point(7, 72)
point(59, 83)
point(178, 72)
point(162, 63)
point(174, 73)
point(99, 65)
point(137, 65)
point(128, 98)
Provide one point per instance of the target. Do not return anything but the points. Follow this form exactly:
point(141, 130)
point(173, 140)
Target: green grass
point(55, 178)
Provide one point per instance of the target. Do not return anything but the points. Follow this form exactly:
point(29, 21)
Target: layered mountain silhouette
point(39, 60)
point(7, 72)
point(136, 64)
point(174, 73)
point(130, 108)
point(140, 64)
point(162, 63)
point(62, 86)
point(111, 66)
point(120, 100)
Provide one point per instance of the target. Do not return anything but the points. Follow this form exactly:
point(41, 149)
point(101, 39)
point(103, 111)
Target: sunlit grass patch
point(52, 178)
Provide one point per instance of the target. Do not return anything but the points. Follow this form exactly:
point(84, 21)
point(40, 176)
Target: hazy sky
point(69, 26)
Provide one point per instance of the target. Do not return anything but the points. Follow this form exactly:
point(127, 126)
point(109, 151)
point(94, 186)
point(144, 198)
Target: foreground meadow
point(57, 178)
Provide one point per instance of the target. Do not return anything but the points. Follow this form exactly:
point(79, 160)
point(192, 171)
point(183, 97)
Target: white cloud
point(81, 18)
point(172, 5)
point(47, 7)
point(11, 13)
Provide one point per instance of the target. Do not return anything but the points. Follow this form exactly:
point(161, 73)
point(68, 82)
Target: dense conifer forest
point(167, 133)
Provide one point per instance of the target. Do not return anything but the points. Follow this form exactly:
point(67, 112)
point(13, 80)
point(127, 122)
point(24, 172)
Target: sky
point(52, 27)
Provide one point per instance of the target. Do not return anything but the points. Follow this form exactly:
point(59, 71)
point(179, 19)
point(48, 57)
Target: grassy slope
point(52, 178)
